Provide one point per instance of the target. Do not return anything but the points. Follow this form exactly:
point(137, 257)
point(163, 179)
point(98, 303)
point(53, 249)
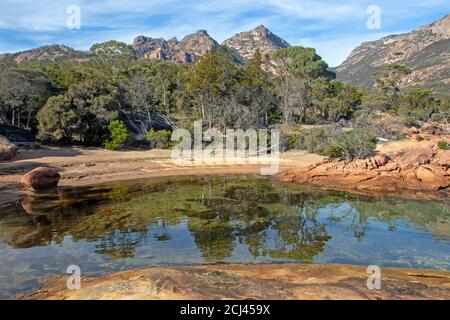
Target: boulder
point(421, 169)
point(7, 149)
point(381, 159)
point(416, 157)
point(410, 131)
point(442, 158)
point(41, 179)
point(379, 183)
point(391, 166)
point(432, 128)
point(433, 176)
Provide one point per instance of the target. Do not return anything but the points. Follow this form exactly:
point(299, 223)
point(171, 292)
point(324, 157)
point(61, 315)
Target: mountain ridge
point(424, 50)
point(189, 49)
point(247, 42)
point(47, 52)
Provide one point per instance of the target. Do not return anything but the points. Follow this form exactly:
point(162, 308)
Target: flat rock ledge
point(423, 169)
point(253, 281)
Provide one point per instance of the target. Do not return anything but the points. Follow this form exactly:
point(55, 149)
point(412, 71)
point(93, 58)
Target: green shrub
point(118, 135)
point(409, 121)
point(443, 145)
point(288, 141)
point(314, 140)
point(350, 145)
point(159, 139)
point(334, 142)
point(381, 126)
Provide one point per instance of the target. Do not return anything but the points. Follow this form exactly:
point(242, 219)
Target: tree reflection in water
point(270, 219)
point(300, 236)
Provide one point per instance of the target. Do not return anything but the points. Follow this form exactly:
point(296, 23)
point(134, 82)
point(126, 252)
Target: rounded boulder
point(41, 179)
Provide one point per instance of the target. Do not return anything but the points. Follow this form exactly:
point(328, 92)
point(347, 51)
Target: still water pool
point(196, 220)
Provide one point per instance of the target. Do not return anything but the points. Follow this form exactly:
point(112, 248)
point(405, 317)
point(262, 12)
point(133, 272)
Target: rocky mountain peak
point(246, 43)
point(260, 29)
point(173, 40)
point(192, 47)
point(202, 32)
point(151, 48)
point(189, 49)
point(441, 26)
point(425, 51)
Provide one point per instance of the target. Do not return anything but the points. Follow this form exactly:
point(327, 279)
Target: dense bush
point(315, 140)
point(409, 122)
point(80, 115)
point(334, 142)
point(419, 104)
point(22, 94)
point(380, 125)
point(288, 141)
point(159, 139)
point(351, 145)
point(118, 135)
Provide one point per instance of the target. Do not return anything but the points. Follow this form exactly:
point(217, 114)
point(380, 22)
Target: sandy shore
point(254, 281)
point(88, 166)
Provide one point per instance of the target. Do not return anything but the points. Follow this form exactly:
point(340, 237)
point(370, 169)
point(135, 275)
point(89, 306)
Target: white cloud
point(51, 15)
point(323, 10)
point(333, 28)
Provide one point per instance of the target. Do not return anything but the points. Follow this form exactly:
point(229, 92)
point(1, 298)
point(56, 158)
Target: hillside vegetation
point(112, 97)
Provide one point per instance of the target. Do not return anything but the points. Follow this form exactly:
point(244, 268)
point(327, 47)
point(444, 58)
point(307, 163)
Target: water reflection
point(216, 211)
point(216, 219)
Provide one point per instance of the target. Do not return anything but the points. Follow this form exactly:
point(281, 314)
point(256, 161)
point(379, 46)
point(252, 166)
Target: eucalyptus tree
point(297, 68)
point(22, 94)
point(80, 115)
point(211, 80)
point(388, 80)
point(255, 95)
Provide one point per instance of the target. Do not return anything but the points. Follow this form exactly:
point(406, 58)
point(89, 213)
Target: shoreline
point(81, 167)
point(92, 166)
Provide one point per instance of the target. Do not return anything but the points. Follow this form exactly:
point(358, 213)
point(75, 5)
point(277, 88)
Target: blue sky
point(333, 28)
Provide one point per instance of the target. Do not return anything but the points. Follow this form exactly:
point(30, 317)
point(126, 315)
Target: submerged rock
point(41, 179)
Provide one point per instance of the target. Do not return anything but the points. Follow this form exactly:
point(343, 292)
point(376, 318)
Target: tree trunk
point(29, 119)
